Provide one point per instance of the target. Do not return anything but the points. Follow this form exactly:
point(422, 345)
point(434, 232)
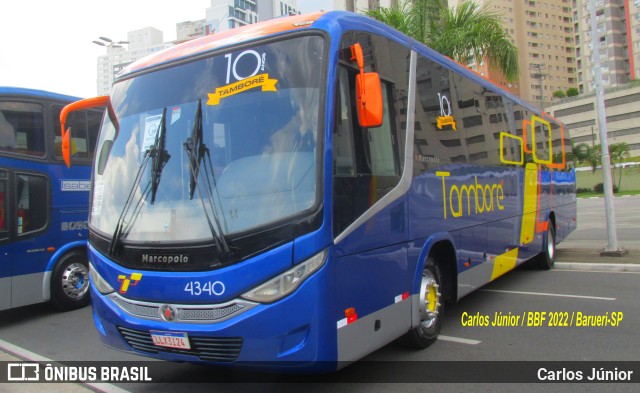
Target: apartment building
point(543, 32)
point(141, 43)
point(229, 14)
point(553, 38)
point(618, 24)
point(190, 29)
point(361, 6)
point(221, 15)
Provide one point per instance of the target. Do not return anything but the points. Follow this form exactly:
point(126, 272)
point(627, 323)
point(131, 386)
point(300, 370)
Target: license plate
point(177, 340)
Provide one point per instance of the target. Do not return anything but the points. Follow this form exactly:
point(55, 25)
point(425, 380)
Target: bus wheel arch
point(437, 285)
point(444, 256)
point(70, 281)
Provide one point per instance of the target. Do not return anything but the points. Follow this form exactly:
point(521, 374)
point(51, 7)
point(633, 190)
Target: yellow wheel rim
point(432, 298)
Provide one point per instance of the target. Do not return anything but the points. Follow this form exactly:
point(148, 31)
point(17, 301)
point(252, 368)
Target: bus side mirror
point(87, 103)
point(368, 92)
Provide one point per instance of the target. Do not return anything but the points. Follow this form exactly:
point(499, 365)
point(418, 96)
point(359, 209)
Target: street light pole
point(612, 249)
point(540, 76)
point(109, 43)
point(110, 69)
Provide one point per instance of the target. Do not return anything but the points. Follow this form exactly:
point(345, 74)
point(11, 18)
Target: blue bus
point(43, 204)
point(306, 190)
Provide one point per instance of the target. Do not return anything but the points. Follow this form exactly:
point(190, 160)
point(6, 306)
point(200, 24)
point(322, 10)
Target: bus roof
point(320, 20)
point(222, 39)
point(34, 93)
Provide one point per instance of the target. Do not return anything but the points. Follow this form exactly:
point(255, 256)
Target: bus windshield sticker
point(260, 80)
point(151, 125)
point(98, 194)
point(175, 114)
point(445, 118)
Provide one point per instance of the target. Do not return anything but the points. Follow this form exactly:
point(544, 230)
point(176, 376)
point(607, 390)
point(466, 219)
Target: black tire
point(70, 282)
point(431, 309)
point(547, 258)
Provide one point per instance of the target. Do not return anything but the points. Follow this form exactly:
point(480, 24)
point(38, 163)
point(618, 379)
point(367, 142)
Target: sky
point(47, 44)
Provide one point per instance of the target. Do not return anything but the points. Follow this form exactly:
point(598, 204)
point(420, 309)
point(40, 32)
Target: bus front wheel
point(431, 308)
point(70, 282)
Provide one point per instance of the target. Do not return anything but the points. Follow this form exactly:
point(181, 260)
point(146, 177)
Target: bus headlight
point(99, 283)
point(286, 282)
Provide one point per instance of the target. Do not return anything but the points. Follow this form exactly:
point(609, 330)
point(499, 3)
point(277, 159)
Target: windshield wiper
point(159, 157)
point(193, 144)
point(197, 150)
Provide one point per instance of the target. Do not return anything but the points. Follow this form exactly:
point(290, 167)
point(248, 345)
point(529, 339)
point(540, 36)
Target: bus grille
point(184, 312)
point(214, 349)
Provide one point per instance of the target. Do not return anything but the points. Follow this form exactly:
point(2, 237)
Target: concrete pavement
point(582, 248)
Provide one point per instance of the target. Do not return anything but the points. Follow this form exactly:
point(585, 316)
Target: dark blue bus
point(43, 204)
point(306, 190)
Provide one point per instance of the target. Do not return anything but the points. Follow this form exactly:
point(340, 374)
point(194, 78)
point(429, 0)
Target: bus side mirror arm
point(87, 103)
point(368, 92)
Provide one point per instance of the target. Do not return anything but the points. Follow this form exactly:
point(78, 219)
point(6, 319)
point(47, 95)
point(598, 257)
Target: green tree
point(588, 154)
point(618, 153)
point(465, 33)
point(592, 155)
point(559, 94)
point(570, 156)
point(572, 92)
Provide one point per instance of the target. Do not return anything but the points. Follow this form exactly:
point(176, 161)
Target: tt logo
point(128, 281)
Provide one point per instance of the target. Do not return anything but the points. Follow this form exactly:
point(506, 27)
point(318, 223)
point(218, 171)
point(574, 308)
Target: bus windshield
point(216, 146)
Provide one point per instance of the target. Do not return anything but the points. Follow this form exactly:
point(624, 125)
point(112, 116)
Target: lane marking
point(594, 271)
point(550, 294)
point(27, 355)
point(458, 340)
point(603, 267)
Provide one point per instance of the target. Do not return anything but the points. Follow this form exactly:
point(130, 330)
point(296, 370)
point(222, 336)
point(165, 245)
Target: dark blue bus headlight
point(98, 282)
point(286, 282)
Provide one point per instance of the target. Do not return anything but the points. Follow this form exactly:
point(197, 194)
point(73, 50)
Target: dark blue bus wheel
point(546, 259)
point(70, 282)
point(431, 309)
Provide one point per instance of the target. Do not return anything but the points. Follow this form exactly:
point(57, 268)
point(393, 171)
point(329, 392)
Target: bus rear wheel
point(70, 282)
point(547, 258)
point(431, 309)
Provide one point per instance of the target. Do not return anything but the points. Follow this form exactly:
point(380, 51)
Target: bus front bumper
point(291, 333)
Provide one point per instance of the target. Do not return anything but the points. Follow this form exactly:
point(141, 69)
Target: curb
point(600, 267)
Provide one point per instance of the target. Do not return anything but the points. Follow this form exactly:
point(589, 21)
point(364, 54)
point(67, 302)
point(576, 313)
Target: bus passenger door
point(32, 239)
point(5, 254)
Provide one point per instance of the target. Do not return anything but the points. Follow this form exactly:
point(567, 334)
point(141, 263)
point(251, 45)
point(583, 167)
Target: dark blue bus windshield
point(228, 141)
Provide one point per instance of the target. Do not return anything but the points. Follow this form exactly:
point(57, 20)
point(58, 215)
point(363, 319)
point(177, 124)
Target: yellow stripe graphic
point(504, 262)
point(530, 205)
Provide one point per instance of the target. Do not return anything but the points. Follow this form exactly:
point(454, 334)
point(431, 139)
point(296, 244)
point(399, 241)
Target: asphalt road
point(523, 291)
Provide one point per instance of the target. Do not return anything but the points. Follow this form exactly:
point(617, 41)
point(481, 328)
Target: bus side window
point(7, 134)
point(363, 151)
point(77, 121)
point(85, 126)
point(368, 161)
point(344, 163)
point(4, 233)
point(27, 121)
point(32, 203)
